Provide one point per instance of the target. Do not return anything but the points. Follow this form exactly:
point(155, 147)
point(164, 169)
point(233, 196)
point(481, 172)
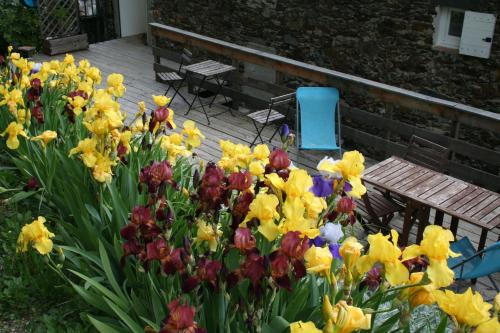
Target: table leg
point(407, 223)
point(220, 81)
point(482, 239)
point(438, 219)
point(454, 226)
point(423, 221)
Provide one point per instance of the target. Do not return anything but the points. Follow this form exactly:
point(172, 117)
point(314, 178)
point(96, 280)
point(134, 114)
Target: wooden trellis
point(58, 18)
point(60, 26)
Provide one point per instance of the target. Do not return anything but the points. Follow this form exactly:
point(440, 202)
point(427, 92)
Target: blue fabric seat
point(472, 264)
point(318, 118)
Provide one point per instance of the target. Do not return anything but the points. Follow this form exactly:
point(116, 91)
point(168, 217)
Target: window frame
point(443, 20)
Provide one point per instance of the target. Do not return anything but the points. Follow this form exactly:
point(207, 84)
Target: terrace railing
point(469, 161)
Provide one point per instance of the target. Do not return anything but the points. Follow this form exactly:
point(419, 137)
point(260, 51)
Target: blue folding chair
point(318, 116)
point(471, 264)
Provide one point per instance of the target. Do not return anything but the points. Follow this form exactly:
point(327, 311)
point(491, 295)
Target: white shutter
point(477, 34)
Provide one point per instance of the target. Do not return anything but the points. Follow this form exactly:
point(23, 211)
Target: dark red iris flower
point(373, 279)
point(161, 114)
point(189, 283)
point(244, 240)
point(293, 245)
point(279, 265)
point(174, 262)
point(346, 205)
point(278, 159)
point(37, 112)
point(129, 231)
point(208, 270)
point(241, 208)
point(156, 250)
point(417, 264)
point(141, 215)
point(253, 268)
point(156, 175)
point(35, 90)
point(213, 189)
point(31, 185)
point(180, 319)
point(240, 181)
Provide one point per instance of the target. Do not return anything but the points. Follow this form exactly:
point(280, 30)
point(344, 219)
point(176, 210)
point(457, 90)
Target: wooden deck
point(134, 60)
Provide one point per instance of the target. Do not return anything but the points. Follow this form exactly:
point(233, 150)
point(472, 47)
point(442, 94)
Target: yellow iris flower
point(13, 131)
point(125, 138)
point(419, 295)
point(298, 183)
point(468, 308)
point(207, 233)
point(172, 145)
point(318, 260)
point(387, 253)
point(87, 149)
point(115, 85)
point(160, 100)
point(256, 168)
point(490, 326)
point(69, 59)
point(301, 327)
point(142, 109)
point(12, 99)
point(294, 210)
point(263, 208)
point(358, 189)
point(37, 234)
point(314, 205)
point(436, 246)
point(344, 318)
point(261, 152)
point(350, 251)
point(193, 134)
point(45, 137)
point(352, 164)
point(102, 169)
point(77, 103)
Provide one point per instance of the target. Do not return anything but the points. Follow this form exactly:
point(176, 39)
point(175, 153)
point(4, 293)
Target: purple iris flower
point(318, 241)
point(347, 187)
point(322, 187)
point(284, 132)
point(334, 249)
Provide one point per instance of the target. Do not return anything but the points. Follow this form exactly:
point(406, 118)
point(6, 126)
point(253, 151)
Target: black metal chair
point(271, 115)
point(175, 80)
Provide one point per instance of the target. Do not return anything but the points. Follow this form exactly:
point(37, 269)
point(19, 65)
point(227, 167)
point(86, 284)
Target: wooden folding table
point(425, 188)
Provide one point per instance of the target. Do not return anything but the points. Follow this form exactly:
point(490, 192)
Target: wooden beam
point(405, 98)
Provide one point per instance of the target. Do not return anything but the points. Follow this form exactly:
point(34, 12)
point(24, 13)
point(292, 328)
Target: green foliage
point(18, 25)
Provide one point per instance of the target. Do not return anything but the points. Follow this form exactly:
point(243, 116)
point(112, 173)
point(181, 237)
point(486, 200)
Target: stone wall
point(389, 41)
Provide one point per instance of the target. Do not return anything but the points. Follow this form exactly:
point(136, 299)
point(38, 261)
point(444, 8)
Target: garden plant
point(153, 239)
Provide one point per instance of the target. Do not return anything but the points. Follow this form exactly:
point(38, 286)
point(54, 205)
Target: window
point(470, 33)
point(449, 27)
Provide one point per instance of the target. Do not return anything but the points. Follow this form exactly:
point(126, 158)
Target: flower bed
point(155, 240)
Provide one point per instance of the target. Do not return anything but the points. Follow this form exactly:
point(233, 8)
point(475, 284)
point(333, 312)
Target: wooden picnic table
point(423, 188)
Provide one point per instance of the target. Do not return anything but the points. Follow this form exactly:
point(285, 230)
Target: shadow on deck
point(130, 57)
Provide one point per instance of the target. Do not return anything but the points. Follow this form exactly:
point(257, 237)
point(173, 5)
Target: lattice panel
point(58, 18)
